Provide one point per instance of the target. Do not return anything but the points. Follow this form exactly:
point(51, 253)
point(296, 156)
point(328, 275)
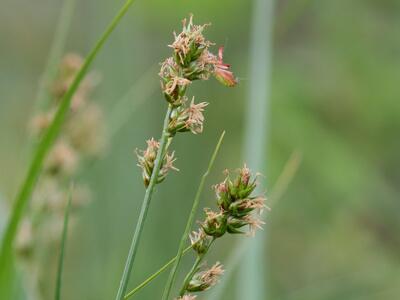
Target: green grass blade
point(46, 143)
point(56, 51)
point(253, 272)
point(57, 295)
point(189, 224)
point(154, 275)
point(241, 250)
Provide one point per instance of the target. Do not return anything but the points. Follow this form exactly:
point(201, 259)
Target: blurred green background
point(335, 98)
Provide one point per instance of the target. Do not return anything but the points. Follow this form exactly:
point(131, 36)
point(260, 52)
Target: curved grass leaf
point(44, 147)
point(60, 268)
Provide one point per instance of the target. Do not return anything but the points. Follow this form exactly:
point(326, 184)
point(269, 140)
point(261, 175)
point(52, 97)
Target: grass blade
point(252, 278)
point(280, 187)
point(57, 295)
point(154, 275)
point(45, 145)
point(189, 224)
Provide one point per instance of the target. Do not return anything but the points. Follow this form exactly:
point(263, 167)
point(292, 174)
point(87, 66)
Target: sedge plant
point(191, 60)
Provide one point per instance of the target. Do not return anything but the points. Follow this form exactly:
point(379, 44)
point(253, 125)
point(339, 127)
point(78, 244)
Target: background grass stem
point(57, 295)
point(252, 277)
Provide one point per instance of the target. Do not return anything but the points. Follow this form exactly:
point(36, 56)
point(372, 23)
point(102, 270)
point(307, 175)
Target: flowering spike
point(200, 241)
point(222, 72)
point(205, 279)
point(188, 119)
point(146, 160)
point(215, 224)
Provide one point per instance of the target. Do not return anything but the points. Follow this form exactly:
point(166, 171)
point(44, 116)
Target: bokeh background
point(334, 98)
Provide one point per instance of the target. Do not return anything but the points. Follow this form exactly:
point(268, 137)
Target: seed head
point(191, 61)
point(200, 241)
point(24, 241)
point(41, 122)
point(189, 118)
point(195, 116)
point(254, 224)
point(242, 186)
point(215, 224)
point(222, 72)
point(146, 160)
point(86, 130)
point(62, 160)
point(236, 205)
point(205, 279)
point(224, 198)
point(190, 43)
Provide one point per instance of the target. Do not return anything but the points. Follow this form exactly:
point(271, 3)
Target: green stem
point(156, 274)
point(172, 275)
point(45, 144)
point(57, 295)
point(191, 273)
point(194, 269)
point(145, 206)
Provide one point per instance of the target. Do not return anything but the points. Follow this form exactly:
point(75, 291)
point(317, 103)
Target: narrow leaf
point(45, 144)
point(154, 275)
point(189, 224)
point(57, 295)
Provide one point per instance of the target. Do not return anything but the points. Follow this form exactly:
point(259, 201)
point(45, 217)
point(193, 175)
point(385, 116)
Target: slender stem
point(194, 269)
point(145, 206)
point(45, 144)
point(57, 295)
point(190, 275)
point(154, 275)
point(172, 275)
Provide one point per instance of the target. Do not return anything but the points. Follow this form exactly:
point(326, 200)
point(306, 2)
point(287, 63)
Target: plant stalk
point(145, 206)
point(194, 269)
point(172, 276)
point(154, 275)
point(57, 295)
point(191, 273)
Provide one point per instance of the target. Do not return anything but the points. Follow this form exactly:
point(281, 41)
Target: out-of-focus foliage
point(335, 97)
